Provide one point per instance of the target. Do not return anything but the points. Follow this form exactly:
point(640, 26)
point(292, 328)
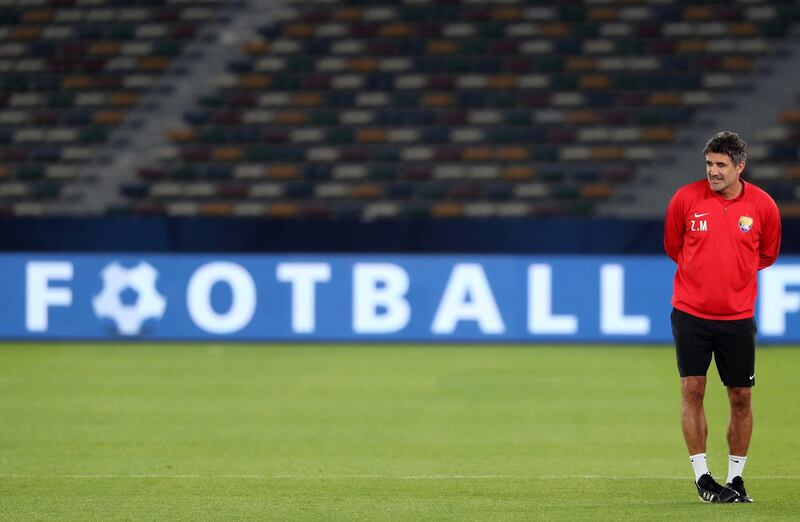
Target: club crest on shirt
point(745, 223)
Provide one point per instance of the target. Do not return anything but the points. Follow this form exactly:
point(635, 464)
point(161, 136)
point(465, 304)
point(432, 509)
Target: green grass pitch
point(386, 432)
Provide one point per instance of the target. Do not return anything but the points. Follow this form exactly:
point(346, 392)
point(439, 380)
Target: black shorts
point(733, 344)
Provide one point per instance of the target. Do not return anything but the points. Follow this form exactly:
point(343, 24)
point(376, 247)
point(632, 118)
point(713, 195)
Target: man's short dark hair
point(729, 143)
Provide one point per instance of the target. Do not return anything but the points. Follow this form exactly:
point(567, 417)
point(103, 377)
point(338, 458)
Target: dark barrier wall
point(524, 236)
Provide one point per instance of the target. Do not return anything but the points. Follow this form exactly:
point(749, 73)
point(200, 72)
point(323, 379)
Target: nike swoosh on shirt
point(701, 215)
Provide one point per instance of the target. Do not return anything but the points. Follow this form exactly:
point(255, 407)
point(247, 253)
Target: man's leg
point(740, 426)
point(693, 416)
point(695, 432)
point(694, 345)
point(736, 364)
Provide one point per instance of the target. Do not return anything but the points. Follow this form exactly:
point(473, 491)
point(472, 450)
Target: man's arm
point(770, 242)
point(674, 228)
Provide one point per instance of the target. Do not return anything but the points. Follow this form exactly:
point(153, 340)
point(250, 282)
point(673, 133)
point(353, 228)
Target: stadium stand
point(378, 109)
point(450, 109)
point(71, 71)
point(776, 158)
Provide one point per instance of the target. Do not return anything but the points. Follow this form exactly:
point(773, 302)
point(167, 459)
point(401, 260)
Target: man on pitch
point(721, 231)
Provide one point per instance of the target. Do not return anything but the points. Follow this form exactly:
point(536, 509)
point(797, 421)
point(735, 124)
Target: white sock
point(699, 465)
point(735, 466)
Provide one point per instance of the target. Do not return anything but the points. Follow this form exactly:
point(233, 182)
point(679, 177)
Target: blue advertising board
point(426, 298)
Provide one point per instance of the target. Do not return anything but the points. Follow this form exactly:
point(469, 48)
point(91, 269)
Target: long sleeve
point(770, 243)
point(674, 229)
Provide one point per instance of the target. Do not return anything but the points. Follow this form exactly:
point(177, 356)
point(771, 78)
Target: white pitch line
point(366, 477)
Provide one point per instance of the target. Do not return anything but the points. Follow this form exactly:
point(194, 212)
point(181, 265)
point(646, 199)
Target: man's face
point(722, 174)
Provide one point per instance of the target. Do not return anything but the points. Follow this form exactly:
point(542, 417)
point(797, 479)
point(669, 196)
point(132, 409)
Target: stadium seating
point(367, 110)
point(451, 109)
point(71, 72)
point(774, 161)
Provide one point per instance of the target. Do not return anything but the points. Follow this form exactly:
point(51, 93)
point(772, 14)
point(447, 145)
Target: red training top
point(720, 245)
